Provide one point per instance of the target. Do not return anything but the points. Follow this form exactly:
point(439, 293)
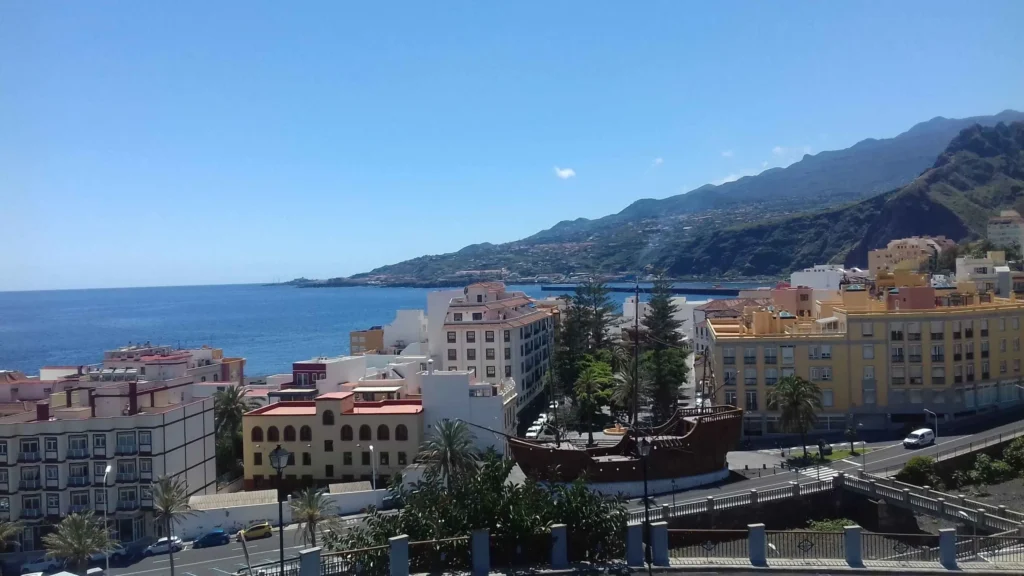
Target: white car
point(163, 546)
point(117, 551)
point(42, 565)
point(920, 437)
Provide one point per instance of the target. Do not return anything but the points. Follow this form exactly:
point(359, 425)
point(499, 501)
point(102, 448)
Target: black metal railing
point(897, 336)
point(437, 556)
point(771, 360)
point(913, 336)
point(990, 549)
point(806, 544)
point(914, 357)
point(937, 335)
point(373, 561)
point(900, 547)
point(515, 553)
point(728, 360)
point(708, 544)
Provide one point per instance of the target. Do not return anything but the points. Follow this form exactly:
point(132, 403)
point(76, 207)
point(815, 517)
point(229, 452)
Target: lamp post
point(279, 460)
point(105, 504)
point(673, 493)
point(645, 450)
point(373, 467)
point(936, 429)
point(863, 451)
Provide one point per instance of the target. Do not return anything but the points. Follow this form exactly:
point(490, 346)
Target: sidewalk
point(815, 565)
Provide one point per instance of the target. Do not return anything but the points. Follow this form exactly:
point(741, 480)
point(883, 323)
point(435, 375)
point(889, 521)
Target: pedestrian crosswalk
point(819, 472)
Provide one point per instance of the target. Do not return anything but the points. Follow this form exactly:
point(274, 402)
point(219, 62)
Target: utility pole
point(636, 347)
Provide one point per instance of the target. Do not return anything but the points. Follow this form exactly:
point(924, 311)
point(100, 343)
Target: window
point(401, 433)
point(729, 377)
point(471, 354)
point(916, 376)
point(730, 398)
point(366, 459)
point(938, 353)
point(257, 458)
point(346, 458)
point(751, 401)
point(897, 354)
point(101, 496)
point(384, 459)
point(1016, 365)
point(750, 376)
point(383, 432)
point(346, 433)
point(1002, 345)
point(365, 432)
point(452, 354)
point(146, 439)
point(984, 327)
point(867, 329)
point(489, 336)
point(771, 376)
point(771, 355)
point(1015, 323)
point(306, 434)
point(291, 458)
point(330, 471)
point(402, 460)
point(328, 418)
point(328, 445)
point(451, 337)
point(508, 371)
point(478, 316)
point(458, 318)
point(896, 330)
point(821, 373)
point(307, 460)
point(508, 353)
point(913, 330)
point(1002, 366)
point(491, 372)
point(52, 473)
point(272, 434)
point(489, 354)
point(50, 442)
point(1002, 324)
point(750, 356)
point(938, 331)
point(99, 441)
point(1016, 344)
point(868, 352)
point(507, 336)
point(827, 398)
point(787, 354)
point(453, 368)
point(728, 356)
point(471, 336)
point(870, 397)
point(289, 433)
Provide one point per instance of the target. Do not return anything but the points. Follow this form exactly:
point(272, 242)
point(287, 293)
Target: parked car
point(215, 537)
point(42, 565)
point(117, 552)
point(163, 546)
point(255, 531)
point(918, 438)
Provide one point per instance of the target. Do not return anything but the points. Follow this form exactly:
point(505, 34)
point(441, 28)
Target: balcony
point(899, 358)
point(126, 449)
point(127, 477)
point(938, 380)
point(914, 336)
point(984, 375)
point(31, 513)
point(958, 379)
point(914, 357)
point(77, 453)
point(899, 380)
point(956, 336)
point(984, 333)
point(896, 336)
point(969, 356)
point(938, 357)
point(729, 360)
point(78, 508)
point(771, 360)
point(78, 480)
point(127, 504)
point(969, 333)
point(937, 335)
point(146, 475)
point(957, 357)
point(750, 359)
point(970, 377)
point(984, 353)
point(30, 484)
point(29, 457)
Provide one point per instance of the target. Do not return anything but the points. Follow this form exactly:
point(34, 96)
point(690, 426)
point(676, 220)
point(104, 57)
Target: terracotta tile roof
point(334, 396)
point(299, 408)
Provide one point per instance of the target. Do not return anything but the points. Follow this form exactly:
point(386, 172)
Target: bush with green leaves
point(518, 517)
point(988, 470)
point(832, 525)
point(919, 471)
point(1013, 455)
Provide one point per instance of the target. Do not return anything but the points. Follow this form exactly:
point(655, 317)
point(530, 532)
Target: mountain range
point(944, 176)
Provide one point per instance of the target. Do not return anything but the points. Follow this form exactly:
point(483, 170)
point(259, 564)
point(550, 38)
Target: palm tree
point(592, 392)
point(798, 402)
point(170, 506)
point(628, 378)
point(449, 451)
point(229, 405)
point(312, 508)
point(76, 538)
point(9, 533)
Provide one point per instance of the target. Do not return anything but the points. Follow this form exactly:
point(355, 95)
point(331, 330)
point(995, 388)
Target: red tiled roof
point(334, 396)
point(297, 408)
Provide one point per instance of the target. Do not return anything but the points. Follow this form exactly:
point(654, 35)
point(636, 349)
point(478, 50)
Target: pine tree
point(570, 345)
point(593, 298)
point(665, 359)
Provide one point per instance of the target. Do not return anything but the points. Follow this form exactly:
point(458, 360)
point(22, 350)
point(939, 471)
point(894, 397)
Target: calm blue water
point(271, 326)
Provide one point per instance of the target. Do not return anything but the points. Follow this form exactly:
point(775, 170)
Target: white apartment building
point(981, 271)
point(1006, 230)
point(495, 334)
point(457, 395)
point(819, 277)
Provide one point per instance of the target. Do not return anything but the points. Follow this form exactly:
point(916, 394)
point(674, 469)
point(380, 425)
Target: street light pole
point(645, 450)
point(105, 504)
point(936, 429)
point(373, 467)
point(279, 460)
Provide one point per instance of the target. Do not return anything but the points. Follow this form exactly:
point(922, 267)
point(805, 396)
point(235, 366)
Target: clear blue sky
point(163, 143)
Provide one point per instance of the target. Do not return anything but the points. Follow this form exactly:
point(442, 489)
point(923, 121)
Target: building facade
point(879, 361)
point(911, 254)
point(331, 438)
point(1006, 230)
point(363, 341)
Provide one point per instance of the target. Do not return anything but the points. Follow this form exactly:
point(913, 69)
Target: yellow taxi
point(255, 531)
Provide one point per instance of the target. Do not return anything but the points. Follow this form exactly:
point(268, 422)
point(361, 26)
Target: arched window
point(257, 434)
point(306, 434)
point(272, 435)
point(289, 434)
point(383, 433)
point(401, 432)
point(364, 432)
point(328, 418)
point(346, 433)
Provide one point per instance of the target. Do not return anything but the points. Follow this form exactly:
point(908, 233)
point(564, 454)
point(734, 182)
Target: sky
point(176, 143)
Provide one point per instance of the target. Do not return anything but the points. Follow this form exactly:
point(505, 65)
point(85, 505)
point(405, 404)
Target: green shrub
point(989, 471)
point(832, 525)
point(1013, 455)
point(919, 471)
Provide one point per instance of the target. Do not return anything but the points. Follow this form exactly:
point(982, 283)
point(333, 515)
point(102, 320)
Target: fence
point(373, 561)
point(708, 544)
point(955, 451)
point(291, 568)
point(990, 549)
point(900, 547)
point(439, 555)
point(710, 504)
point(806, 544)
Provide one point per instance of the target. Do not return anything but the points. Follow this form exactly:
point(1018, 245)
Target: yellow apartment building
point(363, 341)
point(880, 361)
point(331, 438)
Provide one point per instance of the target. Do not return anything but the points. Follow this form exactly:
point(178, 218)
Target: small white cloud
point(727, 179)
point(764, 164)
point(565, 173)
point(727, 154)
point(658, 161)
point(779, 151)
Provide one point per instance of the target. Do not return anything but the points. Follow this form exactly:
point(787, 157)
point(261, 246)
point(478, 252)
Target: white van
point(918, 438)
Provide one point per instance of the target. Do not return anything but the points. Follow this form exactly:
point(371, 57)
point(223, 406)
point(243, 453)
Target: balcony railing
point(956, 336)
point(127, 504)
point(78, 508)
point(938, 335)
point(771, 360)
point(77, 453)
point(984, 353)
point(913, 336)
point(770, 381)
point(958, 379)
point(958, 357)
point(896, 336)
point(914, 357)
point(938, 357)
point(899, 380)
point(31, 513)
point(750, 359)
point(78, 480)
point(916, 380)
point(969, 356)
point(938, 380)
point(30, 484)
point(984, 333)
point(970, 377)
point(127, 477)
point(728, 360)
point(968, 333)
point(29, 457)
point(126, 449)
point(984, 375)
point(898, 358)
point(750, 381)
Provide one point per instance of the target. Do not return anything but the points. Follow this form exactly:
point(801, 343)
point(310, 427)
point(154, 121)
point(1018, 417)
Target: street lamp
point(373, 467)
point(936, 430)
point(279, 460)
point(863, 452)
point(105, 526)
point(645, 449)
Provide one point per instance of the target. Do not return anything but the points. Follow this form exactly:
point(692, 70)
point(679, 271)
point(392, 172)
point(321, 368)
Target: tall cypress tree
point(665, 359)
point(593, 298)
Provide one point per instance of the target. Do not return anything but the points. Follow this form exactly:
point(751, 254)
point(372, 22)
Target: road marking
point(274, 551)
point(225, 571)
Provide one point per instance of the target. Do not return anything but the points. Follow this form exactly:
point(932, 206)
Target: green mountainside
point(747, 227)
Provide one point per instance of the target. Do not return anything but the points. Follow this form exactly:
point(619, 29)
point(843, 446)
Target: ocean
point(271, 326)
